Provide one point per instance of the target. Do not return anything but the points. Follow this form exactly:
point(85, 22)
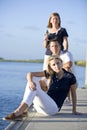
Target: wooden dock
point(64, 120)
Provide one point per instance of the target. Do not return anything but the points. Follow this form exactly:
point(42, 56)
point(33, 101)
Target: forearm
point(45, 43)
point(74, 100)
point(29, 76)
point(65, 43)
point(74, 103)
point(67, 66)
point(66, 46)
point(45, 40)
point(35, 74)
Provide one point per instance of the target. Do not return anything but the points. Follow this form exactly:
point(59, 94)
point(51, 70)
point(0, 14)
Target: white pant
point(43, 103)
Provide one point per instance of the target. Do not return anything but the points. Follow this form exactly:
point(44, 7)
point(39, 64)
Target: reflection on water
point(12, 85)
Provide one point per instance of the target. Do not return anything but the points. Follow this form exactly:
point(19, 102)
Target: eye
point(54, 64)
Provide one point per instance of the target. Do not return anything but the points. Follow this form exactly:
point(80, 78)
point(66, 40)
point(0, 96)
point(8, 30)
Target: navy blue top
point(59, 36)
point(59, 88)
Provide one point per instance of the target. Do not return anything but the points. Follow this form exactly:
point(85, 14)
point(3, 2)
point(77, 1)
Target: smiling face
point(54, 20)
point(55, 47)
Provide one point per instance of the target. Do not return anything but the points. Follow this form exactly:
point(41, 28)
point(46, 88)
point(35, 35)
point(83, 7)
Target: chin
point(57, 71)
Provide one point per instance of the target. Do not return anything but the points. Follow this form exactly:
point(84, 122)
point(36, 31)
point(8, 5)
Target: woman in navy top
point(59, 82)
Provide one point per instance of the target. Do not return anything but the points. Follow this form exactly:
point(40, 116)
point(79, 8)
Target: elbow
point(70, 64)
point(67, 66)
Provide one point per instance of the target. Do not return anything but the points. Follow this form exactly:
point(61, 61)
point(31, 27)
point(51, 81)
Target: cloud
point(71, 22)
point(33, 28)
point(4, 31)
point(10, 35)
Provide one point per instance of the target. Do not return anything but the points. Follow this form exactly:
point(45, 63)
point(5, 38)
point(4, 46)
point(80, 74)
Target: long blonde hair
point(49, 69)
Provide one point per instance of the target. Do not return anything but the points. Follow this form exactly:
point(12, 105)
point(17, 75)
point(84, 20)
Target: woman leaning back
point(50, 103)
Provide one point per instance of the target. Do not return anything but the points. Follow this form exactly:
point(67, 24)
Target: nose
point(57, 65)
point(55, 49)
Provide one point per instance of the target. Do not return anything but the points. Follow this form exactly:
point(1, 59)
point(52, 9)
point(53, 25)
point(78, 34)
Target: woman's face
point(56, 65)
point(54, 19)
point(55, 47)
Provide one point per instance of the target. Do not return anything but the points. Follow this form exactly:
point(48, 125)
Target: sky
point(24, 22)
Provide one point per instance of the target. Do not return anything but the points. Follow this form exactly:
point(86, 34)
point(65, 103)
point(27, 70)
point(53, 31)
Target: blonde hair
point(53, 14)
point(53, 57)
point(49, 69)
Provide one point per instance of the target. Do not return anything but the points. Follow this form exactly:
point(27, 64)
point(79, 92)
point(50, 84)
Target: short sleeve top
point(66, 57)
point(59, 88)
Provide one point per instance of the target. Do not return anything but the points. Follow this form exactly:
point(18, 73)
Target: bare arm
point(35, 74)
point(67, 66)
point(65, 43)
point(45, 41)
point(74, 99)
point(30, 75)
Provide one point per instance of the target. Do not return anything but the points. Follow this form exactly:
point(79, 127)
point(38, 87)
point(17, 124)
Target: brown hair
point(54, 14)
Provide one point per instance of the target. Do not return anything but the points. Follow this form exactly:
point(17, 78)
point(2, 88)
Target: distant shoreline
point(79, 63)
point(30, 61)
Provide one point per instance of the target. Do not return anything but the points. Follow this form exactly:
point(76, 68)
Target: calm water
point(12, 85)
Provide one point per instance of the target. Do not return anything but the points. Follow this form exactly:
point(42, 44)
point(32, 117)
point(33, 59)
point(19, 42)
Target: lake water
point(13, 81)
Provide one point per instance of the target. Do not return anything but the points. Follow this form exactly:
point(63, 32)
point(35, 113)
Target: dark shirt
point(59, 89)
point(59, 35)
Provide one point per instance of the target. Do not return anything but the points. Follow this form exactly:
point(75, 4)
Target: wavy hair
point(49, 69)
point(54, 14)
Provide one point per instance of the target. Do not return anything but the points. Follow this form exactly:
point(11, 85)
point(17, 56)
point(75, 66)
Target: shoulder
point(65, 56)
point(48, 30)
point(68, 73)
point(70, 76)
point(63, 31)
